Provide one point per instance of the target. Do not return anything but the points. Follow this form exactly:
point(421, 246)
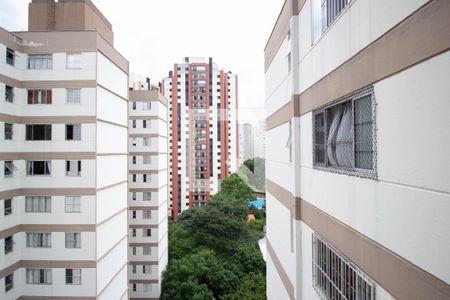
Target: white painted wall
point(111, 77)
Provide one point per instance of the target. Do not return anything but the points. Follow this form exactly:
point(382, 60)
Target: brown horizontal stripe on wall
point(145, 153)
point(143, 207)
point(111, 154)
point(143, 226)
point(284, 114)
point(144, 244)
point(147, 96)
point(47, 228)
point(146, 118)
point(136, 281)
point(145, 171)
point(288, 286)
point(112, 54)
point(404, 46)
point(397, 275)
point(146, 135)
point(48, 192)
point(46, 155)
point(138, 190)
point(47, 264)
point(145, 262)
point(47, 119)
point(47, 84)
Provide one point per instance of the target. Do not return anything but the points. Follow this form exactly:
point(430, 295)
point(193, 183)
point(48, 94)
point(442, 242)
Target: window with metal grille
point(9, 282)
point(39, 276)
point(344, 135)
point(38, 204)
point(9, 94)
point(73, 239)
point(335, 277)
point(7, 207)
point(39, 96)
point(72, 204)
point(39, 132)
point(8, 131)
point(73, 132)
point(39, 240)
point(73, 276)
point(40, 61)
point(324, 12)
point(9, 243)
point(73, 96)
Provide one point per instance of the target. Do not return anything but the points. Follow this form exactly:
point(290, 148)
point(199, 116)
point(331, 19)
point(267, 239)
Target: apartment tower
point(358, 164)
point(246, 142)
point(203, 129)
point(147, 194)
point(63, 151)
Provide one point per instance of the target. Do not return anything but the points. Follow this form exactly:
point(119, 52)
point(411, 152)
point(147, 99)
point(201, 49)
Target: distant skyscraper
point(259, 140)
point(246, 142)
point(63, 149)
point(203, 135)
point(147, 197)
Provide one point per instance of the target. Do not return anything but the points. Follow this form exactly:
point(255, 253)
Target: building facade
point(147, 195)
point(203, 127)
point(63, 153)
point(259, 140)
point(246, 142)
point(357, 106)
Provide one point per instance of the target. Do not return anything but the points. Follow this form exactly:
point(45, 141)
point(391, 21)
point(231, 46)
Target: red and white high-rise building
point(203, 146)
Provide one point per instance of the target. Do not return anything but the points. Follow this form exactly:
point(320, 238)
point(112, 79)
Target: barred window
point(335, 277)
point(39, 240)
point(324, 12)
point(73, 96)
point(38, 204)
point(39, 276)
point(72, 204)
point(40, 61)
point(344, 135)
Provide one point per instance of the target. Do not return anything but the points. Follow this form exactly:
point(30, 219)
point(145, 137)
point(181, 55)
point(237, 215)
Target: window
point(39, 96)
point(147, 106)
point(8, 169)
point(10, 56)
point(147, 196)
point(9, 244)
point(133, 142)
point(9, 94)
point(144, 123)
point(134, 177)
point(134, 160)
point(134, 214)
point(73, 167)
point(39, 132)
point(73, 132)
point(73, 61)
point(40, 61)
point(133, 250)
point(146, 214)
point(146, 269)
point(73, 276)
point(344, 135)
point(9, 282)
point(133, 269)
point(133, 196)
point(324, 12)
point(134, 123)
point(134, 105)
point(7, 207)
point(147, 159)
point(335, 277)
point(73, 96)
point(8, 131)
point(134, 287)
point(133, 232)
point(73, 239)
point(39, 276)
point(72, 204)
point(39, 240)
point(38, 167)
point(147, 232)
point(38, 204)
point(147, 141)
point(146, 177)
point(147, 250)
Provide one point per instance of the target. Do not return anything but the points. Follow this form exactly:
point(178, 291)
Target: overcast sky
point(155, 34)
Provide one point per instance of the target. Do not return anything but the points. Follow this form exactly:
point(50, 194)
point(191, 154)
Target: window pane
point(364, 133)
point(73, 96)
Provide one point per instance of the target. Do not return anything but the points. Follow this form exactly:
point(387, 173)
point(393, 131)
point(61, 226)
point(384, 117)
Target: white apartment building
point(63, 156)
point(203, 130)
point(246, 142)
point(358, 164)
point(147, 194)
point(259, 140)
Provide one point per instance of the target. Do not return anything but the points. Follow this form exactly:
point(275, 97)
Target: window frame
point(30, 204)
point(71, 207)
point(75, 130)
point(73, 95)
point(38, 237)
point(68, 240)
point(47, 167)
point(30, 132)
point(10, 52)
point(7, 210)
point(39, 96)
point(79, 60)
point(8, 247)
point(9, 94)
point(44, 57)
point(73, 278)
point(354, 171)
point(8, 131)
point(8, 168)
point(44, 276)
point(9, 285)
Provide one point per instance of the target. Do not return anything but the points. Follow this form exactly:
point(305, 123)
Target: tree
point(250, 164)
point(236, 188)
point(253, 287)
point(249, 259)
point(234, 208)
point(181, 241)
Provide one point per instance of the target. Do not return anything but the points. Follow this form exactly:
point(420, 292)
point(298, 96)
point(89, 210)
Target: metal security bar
point(335, 277)
point(330, 10)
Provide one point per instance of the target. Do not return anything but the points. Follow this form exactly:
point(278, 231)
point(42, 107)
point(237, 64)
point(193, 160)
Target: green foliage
point(250, 164)
point(213, 252)
point(253, 287)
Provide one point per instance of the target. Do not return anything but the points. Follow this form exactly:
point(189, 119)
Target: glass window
point(72, 204)
point(10, 56)
point(9, 168)
point(73, 61)
point(39, 132)
point(38, 167)
point(39, 96)
point(38, 204)
point(73, 276)
point(39, 276)
point(9, 282)
point(146, 214)
point(147, 250)
point(147, 196)
point(73, 132)
point(7, 207)
point(9, 243)
point(9, 94)
point(73, 96)
point(147, 105)
point(73, 167)
point(39, 240)
point(73, 239)
point(147, 159)
point(8, 131)
point(40, 61)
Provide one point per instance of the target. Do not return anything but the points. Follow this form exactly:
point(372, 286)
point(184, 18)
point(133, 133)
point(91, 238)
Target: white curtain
point(332, 135)
point(344, 139)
